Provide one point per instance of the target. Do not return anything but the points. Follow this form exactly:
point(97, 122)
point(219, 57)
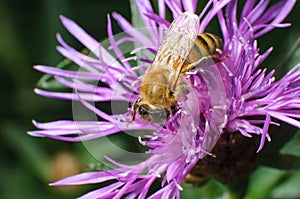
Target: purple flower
point(224, 98)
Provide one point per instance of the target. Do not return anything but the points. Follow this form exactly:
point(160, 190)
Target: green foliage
point(288, 188)
point(48, 82)
point(27, 37)
point(212, 189)
point(292, 147)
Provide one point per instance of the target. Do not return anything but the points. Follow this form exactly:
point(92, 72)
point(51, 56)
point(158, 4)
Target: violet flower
point(226, 96)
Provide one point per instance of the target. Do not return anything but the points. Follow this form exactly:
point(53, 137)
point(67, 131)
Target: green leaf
point(292, 147)
point(212, 189)
point(48, 82)
point(271, 156)
point(136, 18)
point(289, 188)
point(287, 158)
point(262, 181)
point(137, 22)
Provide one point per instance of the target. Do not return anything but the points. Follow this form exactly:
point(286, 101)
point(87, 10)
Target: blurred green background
point(27, 38)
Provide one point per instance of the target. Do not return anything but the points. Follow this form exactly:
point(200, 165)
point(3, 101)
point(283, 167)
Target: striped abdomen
point(205, 45)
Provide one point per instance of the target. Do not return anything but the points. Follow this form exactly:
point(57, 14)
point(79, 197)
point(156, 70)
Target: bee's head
point(149, 112)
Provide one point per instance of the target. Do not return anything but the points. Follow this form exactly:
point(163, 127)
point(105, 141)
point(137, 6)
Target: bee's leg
point(173, 110)
point(134, 107)
point(182, 90)
point(223, 58)
point(161, 125)
point(204, 61)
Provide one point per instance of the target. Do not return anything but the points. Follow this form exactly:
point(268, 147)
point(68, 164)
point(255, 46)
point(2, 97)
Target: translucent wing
point(177, 43)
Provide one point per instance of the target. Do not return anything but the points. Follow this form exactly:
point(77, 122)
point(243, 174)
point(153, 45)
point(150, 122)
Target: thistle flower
point(225, 98)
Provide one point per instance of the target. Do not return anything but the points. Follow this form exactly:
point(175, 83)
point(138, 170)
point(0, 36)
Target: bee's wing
point(177, 43)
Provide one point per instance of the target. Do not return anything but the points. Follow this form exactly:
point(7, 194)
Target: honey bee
point(182, 50)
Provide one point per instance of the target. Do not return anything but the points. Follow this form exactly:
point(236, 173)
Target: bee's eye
point(143, 111)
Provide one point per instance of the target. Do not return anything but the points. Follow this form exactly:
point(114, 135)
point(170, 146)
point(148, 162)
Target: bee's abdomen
point(209, 42)
point(205, 45)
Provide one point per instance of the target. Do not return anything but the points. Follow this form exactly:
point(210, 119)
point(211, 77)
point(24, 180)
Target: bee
point(182, 50)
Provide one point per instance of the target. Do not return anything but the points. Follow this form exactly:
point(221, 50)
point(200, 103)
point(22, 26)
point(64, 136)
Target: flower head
point(225, 97)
